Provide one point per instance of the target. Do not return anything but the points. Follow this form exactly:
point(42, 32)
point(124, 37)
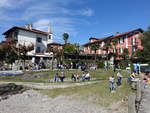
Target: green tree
point(95, 47)
point(22, 52)
point(65, 37)
point(125, 54)
point(144, 54)
point(57, 53)
point(8, 53)
point(69, 48)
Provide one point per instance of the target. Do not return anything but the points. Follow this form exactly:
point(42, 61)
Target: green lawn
point(96, 93)
point(99, 74)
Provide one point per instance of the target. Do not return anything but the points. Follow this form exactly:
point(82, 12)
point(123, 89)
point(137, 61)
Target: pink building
point(128, 40)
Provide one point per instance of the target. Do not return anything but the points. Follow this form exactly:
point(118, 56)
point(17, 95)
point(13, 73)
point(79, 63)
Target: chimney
point(29, 26)
point(117, 33)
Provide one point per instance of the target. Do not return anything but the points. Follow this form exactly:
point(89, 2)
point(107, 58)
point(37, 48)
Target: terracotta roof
point(129, 33)
point(93, 38)
point(99, 40)
point(26, 29)
point(116, 36)
point(55, 43)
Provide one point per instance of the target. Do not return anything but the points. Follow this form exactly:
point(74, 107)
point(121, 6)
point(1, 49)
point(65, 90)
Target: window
point(39, 39)
point(121, 50)
point(15, 34)
point(50, 37)
point(133, 49)
point(121, 40)
point(133, 41)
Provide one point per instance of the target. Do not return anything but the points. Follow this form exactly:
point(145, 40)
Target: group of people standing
point(112, 81)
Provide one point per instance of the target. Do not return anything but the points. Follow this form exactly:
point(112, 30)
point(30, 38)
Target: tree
point(23, 50)
point(125, 54)
point(107, 46)
point(95, 47)
point(65, 37)
point(144, 54)
point(8, 53)
point(69, 48)
point(57, 53)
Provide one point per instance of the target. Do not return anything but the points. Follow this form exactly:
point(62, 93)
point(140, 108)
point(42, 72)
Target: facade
point(128, 40)
point(27, 36)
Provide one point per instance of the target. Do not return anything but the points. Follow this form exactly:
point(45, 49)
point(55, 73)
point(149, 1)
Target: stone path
point(50, 85)
point(145, 103)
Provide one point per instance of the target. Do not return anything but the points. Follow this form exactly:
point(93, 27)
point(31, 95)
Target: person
point(83, 76)
point(87, 76)
point(131, 77)
point(56, 77)
point(111, 83)
point(73, 77)
point(62, 76)
point(77, 77)
point(119, 78)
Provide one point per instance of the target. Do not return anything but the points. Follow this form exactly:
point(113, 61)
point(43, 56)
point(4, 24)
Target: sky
point(81, 19)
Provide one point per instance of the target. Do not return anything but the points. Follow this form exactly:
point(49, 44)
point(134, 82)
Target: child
point(56, 77)
point(111, 83)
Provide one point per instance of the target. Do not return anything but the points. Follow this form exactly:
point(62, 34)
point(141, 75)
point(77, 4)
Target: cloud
point(55, 7)
point(87, 12)
point(4, 3)
point(42, 12)
point(12, 3)
point(59, 25)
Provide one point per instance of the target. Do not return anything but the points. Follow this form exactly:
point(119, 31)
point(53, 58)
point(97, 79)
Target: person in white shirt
point(111, 83)
point(87, 76)
point(119, 78)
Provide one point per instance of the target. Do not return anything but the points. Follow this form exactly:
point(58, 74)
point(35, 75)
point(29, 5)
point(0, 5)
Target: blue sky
point(81, 19)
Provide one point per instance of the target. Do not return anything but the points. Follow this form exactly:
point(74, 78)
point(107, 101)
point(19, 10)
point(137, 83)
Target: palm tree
point(114, 43)
point(125, 54)
point(106, 48)
point(95, 47)
point(65, 37)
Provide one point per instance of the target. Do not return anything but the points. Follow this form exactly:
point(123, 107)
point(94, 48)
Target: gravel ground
point(145, 102)
point(33, 102)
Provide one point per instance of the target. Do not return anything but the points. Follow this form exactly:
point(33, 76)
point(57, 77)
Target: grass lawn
point(96, 93)
point(99, 74)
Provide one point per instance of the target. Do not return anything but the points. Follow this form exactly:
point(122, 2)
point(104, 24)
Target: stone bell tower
point(50, 35)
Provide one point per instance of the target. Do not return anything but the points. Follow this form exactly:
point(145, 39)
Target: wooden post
point(131, 104)
point(138, 94)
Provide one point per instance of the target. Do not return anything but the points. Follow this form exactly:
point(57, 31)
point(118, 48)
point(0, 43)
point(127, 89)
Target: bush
point(100, 63)
point(123, 64)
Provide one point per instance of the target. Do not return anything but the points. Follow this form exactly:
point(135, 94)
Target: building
point(128, 40)
point(28, 35)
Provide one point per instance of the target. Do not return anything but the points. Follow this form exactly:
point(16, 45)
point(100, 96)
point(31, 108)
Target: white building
point(27, 35)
